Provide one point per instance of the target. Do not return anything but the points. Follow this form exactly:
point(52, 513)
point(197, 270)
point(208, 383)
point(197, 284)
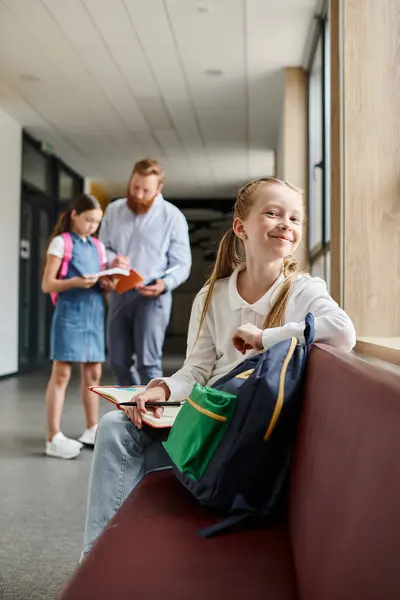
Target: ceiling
point(107, 82)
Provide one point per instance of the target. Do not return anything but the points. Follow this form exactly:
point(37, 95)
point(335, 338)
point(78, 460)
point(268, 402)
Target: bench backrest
point(345, 485)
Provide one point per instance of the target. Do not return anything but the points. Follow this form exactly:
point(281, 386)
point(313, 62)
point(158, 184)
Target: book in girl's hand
point(112, 271)
point(118, 395)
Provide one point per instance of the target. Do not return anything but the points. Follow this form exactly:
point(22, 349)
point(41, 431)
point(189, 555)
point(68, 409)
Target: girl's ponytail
point(63, 224)
point(228, 258)
point(276, 316)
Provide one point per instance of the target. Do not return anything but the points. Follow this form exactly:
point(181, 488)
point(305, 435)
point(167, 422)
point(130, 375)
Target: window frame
point(322, 248)
point(54, 167)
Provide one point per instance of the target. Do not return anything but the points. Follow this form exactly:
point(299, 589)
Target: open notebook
point(116, 395)
point(112, 271)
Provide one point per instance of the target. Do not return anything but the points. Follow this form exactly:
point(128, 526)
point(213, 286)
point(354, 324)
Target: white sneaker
point(88, 436)
point(63, 447)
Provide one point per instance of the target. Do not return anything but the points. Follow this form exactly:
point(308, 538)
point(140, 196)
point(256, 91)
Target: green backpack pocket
point(198, 429)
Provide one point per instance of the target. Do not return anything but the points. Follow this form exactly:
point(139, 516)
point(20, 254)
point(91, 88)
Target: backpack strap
point(309, 331)
point(66, 236)
point(226, 525)
point(98, 245)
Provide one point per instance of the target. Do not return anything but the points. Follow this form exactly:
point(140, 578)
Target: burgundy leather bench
point(342, 538)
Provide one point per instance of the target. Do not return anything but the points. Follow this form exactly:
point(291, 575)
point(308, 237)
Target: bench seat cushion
point(151, 550)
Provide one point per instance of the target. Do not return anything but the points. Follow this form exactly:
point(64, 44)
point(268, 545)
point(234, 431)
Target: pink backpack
point(67, 259)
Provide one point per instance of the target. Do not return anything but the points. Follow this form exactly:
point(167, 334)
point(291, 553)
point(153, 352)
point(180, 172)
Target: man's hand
point(151, 291)
point(159, 393)
point(121, 262)
point(247, 337)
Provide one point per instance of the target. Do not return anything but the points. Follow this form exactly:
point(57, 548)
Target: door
point(37, 220)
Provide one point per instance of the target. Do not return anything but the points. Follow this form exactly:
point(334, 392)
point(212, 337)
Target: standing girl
point(77, 331)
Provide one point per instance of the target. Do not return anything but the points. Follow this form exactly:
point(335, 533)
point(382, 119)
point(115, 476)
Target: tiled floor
point(42, 499)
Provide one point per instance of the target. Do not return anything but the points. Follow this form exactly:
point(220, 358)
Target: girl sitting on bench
point(255, 297)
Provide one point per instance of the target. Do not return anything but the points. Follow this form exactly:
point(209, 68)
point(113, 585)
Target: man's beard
point(137, 206)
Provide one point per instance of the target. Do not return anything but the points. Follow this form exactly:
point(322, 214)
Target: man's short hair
point(149, 166)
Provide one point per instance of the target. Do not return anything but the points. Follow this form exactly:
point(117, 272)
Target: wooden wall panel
point(335, 155)
point(293, 142)
point(372, 165)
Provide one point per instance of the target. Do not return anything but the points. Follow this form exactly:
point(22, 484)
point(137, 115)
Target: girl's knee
point(111, 419)
point(61, 373)
point(91, 374)
point(111, 427)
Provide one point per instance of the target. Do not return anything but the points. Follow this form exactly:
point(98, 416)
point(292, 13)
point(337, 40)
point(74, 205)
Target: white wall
point(10, 201)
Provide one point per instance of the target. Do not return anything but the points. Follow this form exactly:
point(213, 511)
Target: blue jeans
point(136, 325)
point(122, 456)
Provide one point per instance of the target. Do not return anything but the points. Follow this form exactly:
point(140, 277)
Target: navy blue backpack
point(239, 467)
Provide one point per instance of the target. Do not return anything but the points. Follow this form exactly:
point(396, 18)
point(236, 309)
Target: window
point(35, 167)
point(66, 190)
point(49, 174)
point(318, 158)
point(316, 166)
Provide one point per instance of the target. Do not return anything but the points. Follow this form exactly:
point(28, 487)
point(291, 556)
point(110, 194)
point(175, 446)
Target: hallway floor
point(42, 499)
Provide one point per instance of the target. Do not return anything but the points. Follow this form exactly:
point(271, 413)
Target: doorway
point(37, 220)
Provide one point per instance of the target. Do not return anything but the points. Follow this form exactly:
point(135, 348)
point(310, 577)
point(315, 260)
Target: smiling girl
point(255, 297)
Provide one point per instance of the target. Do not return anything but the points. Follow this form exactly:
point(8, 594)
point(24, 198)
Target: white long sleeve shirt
point(214, 354)
point(153, 241)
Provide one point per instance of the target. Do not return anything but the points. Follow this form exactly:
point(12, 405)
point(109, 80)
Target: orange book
point(128, 282)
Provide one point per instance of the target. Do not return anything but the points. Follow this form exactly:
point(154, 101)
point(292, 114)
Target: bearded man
point(144, 232)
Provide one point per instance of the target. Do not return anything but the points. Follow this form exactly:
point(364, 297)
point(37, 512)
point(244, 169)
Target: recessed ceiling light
point(214, 72)
point(29, 78)
point(204, 9)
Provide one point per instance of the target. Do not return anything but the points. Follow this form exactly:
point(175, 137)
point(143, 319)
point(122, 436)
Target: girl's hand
point(247, 337)
point(159, 393)
point(85, 282)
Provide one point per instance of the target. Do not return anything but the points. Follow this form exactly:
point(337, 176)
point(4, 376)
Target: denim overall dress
point(77, 330)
